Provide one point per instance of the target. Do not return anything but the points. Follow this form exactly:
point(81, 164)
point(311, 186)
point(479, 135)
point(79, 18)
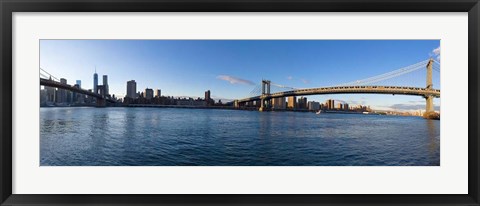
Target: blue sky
point(231, 68)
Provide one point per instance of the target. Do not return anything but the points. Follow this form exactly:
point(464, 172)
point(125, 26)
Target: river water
point(74, 136)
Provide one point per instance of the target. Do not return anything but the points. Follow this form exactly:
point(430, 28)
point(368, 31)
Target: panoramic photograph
point(239, 102)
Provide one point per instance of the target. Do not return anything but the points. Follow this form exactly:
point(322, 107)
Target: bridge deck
point(51, 83)
point(417, 91)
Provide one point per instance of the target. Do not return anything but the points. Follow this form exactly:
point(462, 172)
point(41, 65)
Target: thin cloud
point(290, 78)
point(355, 102)
point(436, 53)
point(411, 107)
point(235, 80)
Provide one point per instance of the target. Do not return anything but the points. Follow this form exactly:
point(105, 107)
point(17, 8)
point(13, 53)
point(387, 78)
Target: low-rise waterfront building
point(313, 106)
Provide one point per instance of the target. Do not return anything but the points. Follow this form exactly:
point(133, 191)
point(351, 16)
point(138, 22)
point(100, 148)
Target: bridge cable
point(255, 91)
point(49, 74)
point(283, 86)
point(388, 75)
point(44, 75)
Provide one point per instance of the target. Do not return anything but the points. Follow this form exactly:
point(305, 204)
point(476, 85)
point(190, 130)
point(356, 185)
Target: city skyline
point(237, 83)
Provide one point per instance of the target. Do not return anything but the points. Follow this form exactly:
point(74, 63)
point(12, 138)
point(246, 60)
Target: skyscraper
point(77, 98)
point(279, 103)
point(132, 89)
point(158, 93)
point(79, 82)
point(331, 104)
point(302, 103)
point(313, 106)
point(292, 102)
point(208, 100)
point(50, 93)
point(95, 82)
point(62, 93)
point(105, 84)
point(207, 95)
point(148, 93)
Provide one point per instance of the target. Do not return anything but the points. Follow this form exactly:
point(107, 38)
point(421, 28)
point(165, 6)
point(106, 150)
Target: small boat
point(319, 111)
point(365, 112)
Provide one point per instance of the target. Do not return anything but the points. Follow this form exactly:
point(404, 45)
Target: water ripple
point(168, 136)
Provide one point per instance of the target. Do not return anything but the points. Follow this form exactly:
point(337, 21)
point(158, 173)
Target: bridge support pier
point(101, 103)
point(236, 104)
point(265, 105)
point(429, 105)
point(429, 110)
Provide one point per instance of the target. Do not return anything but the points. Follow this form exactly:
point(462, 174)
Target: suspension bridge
point(262, 97)
point(48, 80)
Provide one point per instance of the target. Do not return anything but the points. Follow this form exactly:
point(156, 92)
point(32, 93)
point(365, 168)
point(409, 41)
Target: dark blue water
point(169, 136)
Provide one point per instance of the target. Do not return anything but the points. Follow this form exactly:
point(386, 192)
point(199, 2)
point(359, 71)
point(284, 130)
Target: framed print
point(239, 102)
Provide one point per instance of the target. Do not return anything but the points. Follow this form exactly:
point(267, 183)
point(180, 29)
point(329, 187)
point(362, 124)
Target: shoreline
point(232, 108)
point(208, 107)
point(219, 107)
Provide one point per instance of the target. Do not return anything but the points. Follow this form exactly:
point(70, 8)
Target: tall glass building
point(95, 82)
point(132, 89)
point(105, 84)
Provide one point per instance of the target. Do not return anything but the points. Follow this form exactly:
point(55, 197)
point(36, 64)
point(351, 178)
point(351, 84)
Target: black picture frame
point(9, 6)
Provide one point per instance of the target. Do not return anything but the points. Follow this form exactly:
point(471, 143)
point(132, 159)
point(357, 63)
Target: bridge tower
point(265, 100)
point(429, 110)
point(236, 104)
